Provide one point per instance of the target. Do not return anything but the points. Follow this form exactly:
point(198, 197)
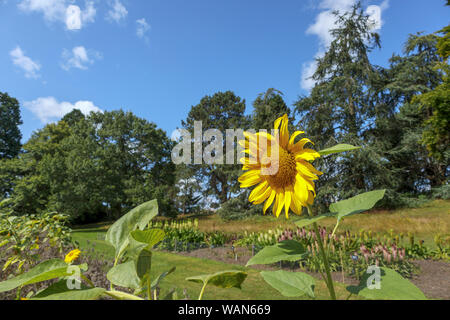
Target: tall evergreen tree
point(340, 109)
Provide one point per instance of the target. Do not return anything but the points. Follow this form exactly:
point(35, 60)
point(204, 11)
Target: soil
point(433, 278)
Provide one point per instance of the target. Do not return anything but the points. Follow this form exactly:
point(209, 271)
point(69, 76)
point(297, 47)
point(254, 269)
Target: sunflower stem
point(328, 280)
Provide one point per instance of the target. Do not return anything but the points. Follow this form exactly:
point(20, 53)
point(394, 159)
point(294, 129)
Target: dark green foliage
point(93, 168)
point(189, 190)
point(239, 207)
point(267, 108)
point(9, 127)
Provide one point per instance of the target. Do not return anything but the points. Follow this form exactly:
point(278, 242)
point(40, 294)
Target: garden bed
point(433, 279)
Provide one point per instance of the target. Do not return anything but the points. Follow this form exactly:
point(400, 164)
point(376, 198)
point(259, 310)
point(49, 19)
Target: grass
point(253, 288)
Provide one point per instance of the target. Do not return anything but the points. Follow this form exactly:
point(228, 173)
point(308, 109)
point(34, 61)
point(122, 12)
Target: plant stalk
point(328, 280)
point(201, 292)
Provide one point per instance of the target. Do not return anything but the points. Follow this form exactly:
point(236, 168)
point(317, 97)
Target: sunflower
point(280, 168)
point(72, 256)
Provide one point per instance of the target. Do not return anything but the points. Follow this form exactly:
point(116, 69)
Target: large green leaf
point(290, 284)
point(137, 218)
point(288, 250)
point(158, 279)
point(151, 237)
point(144, 263)
point(124, 275)
point(357, 204)
point(50, 269)
point(310, 220)
point(392, 287)
point(338, 149)
point(60, 291)
point(223, 279)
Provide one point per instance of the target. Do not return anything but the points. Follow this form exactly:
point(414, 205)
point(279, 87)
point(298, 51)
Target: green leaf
point(288, 250)
point(156, 282)
point(124, 275)
point(144, 263)
point(137, 218)
point(151, 237)
point(119, 295)
point(60, 291)
point(290, 284)
point(47, 270)
point(392, 287)
point(310, 220)
point(357, 204)
point(223, 279)
point(338, 149)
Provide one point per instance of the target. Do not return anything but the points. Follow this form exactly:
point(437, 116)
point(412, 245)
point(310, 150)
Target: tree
point(10, 120)
point(340, 108)
point(415, 73)
point(222, 111)
point(96, 166)
point(188, 196)
point(436, 135)
point(268, 107)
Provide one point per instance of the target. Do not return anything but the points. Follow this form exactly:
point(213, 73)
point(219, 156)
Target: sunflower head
point(72, 256)
point(280, 169)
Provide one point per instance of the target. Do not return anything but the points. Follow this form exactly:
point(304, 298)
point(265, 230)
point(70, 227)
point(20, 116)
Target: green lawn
point(253, 288)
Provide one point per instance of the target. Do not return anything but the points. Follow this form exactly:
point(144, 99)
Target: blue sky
point(157, 58)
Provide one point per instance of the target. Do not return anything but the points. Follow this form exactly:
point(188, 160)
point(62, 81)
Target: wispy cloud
point(48, 109)
point(325, 21)
point(30, 67)
point(117, 11)
point(61, 11)
point(142, 29)
point(79, 58)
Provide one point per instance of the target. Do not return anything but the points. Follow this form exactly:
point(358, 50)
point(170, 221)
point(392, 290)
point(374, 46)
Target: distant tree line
point(98, 166)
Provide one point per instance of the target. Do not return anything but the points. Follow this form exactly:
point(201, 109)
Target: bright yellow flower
point(72, 256)
point(285, 180)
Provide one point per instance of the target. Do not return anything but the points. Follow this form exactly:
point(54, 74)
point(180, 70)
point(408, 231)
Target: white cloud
point(30, 67)
point(142, 28)
point(117, 12)
point(48, 109)
point(61, 11)
point(325, 21)
point(79, 58)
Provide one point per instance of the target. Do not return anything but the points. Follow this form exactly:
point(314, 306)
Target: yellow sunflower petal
point(250, 178)
point(306, 166)
point(269, 201)
point(279, 202)
point(287, 202)
point(284, 132)
point(299, 145)
point(258, 191)
point(305, 171)
point(301, 189)
point(297, 210)
point(292, 139)
point(307, 154)
point(263, 196)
